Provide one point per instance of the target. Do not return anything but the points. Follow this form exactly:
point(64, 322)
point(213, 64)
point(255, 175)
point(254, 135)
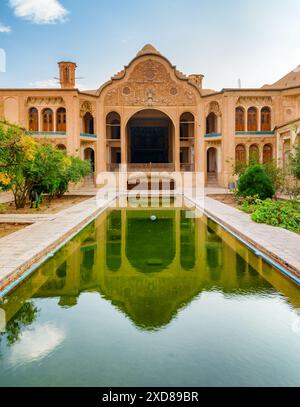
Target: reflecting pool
point(131, 302)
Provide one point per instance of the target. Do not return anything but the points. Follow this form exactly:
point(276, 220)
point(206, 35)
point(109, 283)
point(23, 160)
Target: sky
point(225, 40)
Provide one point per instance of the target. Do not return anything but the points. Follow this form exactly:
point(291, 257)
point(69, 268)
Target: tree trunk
point(20, 196)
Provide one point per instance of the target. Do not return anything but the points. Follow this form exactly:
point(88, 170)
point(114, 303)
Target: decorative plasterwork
point(86, 107)
point(213, 107)
point(210, 143)
point(255, 100)
point(119, 75)
point(150, 84)
point(44, 101)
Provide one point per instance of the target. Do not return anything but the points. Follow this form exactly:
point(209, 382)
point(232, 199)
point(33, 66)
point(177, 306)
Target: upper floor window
point(61, 119)
point(113, 126)
point(33, 119)
point(187, 126)
point(265, 119)
point(239, 119)
point(211, 123)
point(88, 123)
point(252, 119)
point(47, 120)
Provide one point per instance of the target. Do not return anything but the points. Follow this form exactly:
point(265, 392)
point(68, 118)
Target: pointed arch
point(266, 119)
point(252, 119)
point(211, 123)
point(88, 123)
point(267, 153)
point(33, 119)
point(113, 126)
point(61, 119)
point(47, 120)
point(239, 119)
point(240, 154)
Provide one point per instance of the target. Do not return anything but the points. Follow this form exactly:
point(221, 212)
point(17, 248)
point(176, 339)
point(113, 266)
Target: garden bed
point(274, 211)
point(8, 228)
point(48, 206)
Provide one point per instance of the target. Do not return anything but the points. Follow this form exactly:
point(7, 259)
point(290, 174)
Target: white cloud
point(36, 343)
point(40, 11)
point(4, 28)
point(47, 83)
point(83, 87)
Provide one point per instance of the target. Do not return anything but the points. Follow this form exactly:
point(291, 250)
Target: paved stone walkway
point(281, 244)
point(22, 249)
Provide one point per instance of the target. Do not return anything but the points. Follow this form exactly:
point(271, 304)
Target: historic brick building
point(152, 117)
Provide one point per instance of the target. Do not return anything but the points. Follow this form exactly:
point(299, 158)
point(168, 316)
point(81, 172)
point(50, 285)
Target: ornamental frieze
point(213, 107)
point(44, 101)
point(255, 100)
point(150, 84)
point(87, 107)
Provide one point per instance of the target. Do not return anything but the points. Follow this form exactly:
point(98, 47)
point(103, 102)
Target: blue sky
point(257, 41)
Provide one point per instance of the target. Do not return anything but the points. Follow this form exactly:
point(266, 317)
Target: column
point(228, 142)
point(72, 130)
point(176, 152)
point(123, 143)
point(258, 119)
point(100, 128)
point(199, 141)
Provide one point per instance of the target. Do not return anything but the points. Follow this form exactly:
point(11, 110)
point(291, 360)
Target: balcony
point(212, 135)
point(254, 133)
point(187, 167)
point(46, 133)
point(88, 136)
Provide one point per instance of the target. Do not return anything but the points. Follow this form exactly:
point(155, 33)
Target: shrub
point(249, 204)
point(285, 214)
point(30, 168)
point(255, 181)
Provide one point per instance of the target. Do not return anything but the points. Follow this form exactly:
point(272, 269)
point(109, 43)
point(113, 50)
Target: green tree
point(276, 174)
point(295, 161)
point(16, 154)
point(31, 168)
point(255, 182)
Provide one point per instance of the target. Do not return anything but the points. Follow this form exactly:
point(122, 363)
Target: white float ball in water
point(153, 218)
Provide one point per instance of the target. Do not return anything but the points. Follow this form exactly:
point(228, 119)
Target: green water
point(130, 302)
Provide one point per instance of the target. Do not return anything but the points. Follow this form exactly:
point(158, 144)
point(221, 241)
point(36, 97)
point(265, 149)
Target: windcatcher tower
point(67, 72)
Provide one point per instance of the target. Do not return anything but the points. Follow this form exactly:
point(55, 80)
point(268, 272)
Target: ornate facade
point(152, 117)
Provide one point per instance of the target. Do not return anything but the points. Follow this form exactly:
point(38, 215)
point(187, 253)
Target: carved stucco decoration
point(44, 101)
point(213, 107)
point(86, 107)
point(255, 100)
point(150, 84)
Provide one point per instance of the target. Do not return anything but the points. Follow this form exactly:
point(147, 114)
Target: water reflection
point(148, 270)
